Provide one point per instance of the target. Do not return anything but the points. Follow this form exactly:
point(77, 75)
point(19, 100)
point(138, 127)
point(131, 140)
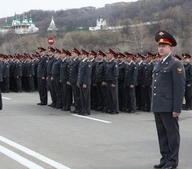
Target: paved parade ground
point(40, 137)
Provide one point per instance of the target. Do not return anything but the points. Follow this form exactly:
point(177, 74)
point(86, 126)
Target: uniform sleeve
point(178, 86)
point(116, 73)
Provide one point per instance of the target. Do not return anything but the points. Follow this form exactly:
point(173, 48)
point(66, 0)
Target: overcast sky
point(9, 7)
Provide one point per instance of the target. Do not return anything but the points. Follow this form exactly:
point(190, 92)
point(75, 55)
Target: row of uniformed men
point(104, 82)
point(108, 84)
point(129, 88)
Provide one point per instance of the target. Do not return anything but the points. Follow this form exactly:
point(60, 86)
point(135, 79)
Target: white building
point(101, 24)
point(52, 26)
point(20, 26)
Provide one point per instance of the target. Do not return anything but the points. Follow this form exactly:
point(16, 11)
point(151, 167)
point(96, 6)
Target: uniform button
point(155, 80)
point(154, 87)
point(156, 73)
point(155, 94)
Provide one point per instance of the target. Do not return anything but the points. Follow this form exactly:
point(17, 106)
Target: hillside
point(172, 15)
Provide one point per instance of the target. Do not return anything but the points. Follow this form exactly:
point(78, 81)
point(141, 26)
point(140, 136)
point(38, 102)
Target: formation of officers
point(103, 81)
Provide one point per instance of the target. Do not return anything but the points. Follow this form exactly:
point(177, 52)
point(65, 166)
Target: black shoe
point(80, 113)
point(65, 109)
point(58, 107)
point(41, 104)
point(169, 167)
point(85, 114)
point(112, 112)
point(99, 109)
point(159, 165)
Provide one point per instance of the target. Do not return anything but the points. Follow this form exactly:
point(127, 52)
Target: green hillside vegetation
point(171, 15)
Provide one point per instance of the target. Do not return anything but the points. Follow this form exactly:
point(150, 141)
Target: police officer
point(140, 90)
point(6, 75)
point(188, 85)
point(18, 74)
point(55, 77)
point(148, 68)
point(112, 74)
point(121, 88)
point(50, 86)
point(66, 91)
point(41, 76)
point(100, 80)
point(72, 81)
point(93, 90)
point(167, 98)
point(130, 83)
point(84, 83)
point(1, 79)
point(30, 72)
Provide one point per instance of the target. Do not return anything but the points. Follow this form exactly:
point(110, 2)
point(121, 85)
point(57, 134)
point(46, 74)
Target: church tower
point(52, 26)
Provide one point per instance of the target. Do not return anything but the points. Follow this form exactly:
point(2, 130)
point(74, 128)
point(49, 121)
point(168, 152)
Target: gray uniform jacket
point(168, 86)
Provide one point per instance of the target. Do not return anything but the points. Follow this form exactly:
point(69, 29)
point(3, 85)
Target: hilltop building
point(101, 24)
point(52, 26)
point(20, 26)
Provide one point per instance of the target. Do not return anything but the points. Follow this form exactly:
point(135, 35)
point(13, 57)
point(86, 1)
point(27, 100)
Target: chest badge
point(179, 70)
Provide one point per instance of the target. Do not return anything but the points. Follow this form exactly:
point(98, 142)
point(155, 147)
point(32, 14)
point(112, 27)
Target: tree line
point(172, 15)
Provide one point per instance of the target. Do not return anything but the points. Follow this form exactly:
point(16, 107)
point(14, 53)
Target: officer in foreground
point(167, 98)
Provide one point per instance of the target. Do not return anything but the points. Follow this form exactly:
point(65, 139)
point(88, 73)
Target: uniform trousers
point(188, 97)
point(51, 89)
point(57, 89)
point(168, 137)
point(1, 104)
point(6, 84)
point(102, 104)
point(112, 97)
point(66, 96)
point(130, 99)
point(85, 100)
point(42, 87)
point(121, 96)
point(77, 101)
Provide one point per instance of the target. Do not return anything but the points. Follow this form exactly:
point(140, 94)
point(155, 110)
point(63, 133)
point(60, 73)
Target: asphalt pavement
point(41, 137)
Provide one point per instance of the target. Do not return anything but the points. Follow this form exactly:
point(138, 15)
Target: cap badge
point(161, 33)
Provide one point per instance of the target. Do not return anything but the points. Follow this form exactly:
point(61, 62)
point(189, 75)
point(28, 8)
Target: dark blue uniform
point(6, 76)
point(84, 83)
point(121, 88)
point(1, 79)
point(66, 91)
point(17, 76)
point(167, 97)
point(94, 97)
point(188, 86)
point(100, 79)
point(130, 82)
point(41, 76)
point(56, 82)
point(148, 68)
point(140, 90)
point(112, 91)
point(50, 84)
point(73, 73)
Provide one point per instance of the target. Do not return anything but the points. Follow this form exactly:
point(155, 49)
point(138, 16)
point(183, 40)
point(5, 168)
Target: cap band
point(165, 41)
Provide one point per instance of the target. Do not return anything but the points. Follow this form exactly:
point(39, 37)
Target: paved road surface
point(40, 137)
